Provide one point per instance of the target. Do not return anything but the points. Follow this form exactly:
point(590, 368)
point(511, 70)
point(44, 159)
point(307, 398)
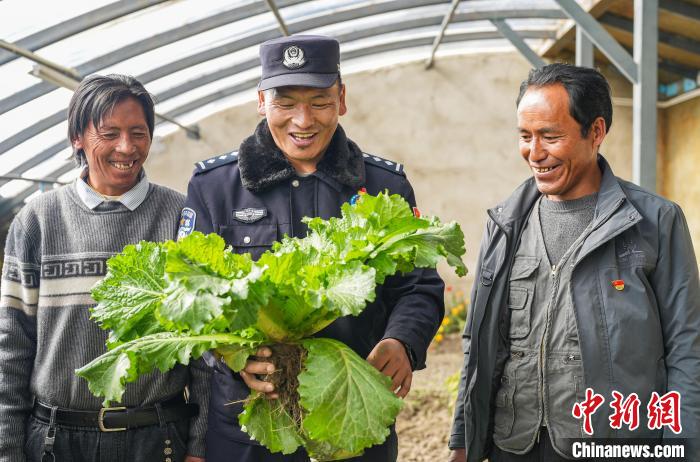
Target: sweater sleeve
point(19, 294)
point(199, 390)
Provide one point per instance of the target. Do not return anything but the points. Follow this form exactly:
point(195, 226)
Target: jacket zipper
point(601, 223)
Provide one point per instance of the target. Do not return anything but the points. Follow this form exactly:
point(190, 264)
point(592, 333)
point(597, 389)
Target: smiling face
point(563, 162)
point(116, 150)
point(302, 121)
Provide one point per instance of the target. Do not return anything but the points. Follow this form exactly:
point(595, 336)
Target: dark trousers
point(80, 444)
point(543, 451)
point(221, 448)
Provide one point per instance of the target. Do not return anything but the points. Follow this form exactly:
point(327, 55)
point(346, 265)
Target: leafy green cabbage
point(168, 303)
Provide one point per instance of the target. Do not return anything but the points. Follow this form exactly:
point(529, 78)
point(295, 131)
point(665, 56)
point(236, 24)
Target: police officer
point(299, 163)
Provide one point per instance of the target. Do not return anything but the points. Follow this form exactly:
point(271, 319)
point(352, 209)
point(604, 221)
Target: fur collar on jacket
point(263, 165)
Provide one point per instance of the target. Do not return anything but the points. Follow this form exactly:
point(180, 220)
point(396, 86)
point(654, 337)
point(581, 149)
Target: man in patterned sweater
point(56, 251)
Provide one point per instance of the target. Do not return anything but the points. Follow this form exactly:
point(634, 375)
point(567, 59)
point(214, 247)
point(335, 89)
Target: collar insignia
point(293, 57)
point(249, 215)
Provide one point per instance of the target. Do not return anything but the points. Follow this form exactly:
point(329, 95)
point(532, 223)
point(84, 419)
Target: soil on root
point(288, 359)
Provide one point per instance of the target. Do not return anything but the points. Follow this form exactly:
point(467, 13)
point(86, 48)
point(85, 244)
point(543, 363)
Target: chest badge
point(249, 215)
point(618, 284)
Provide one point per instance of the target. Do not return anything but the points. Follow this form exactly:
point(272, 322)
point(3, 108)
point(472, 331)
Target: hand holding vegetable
point(389, 357)
point(259, 366)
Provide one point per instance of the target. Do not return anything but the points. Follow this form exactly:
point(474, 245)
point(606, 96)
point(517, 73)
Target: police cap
point(299, 60)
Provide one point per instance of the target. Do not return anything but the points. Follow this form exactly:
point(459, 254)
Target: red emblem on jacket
point(618, 284)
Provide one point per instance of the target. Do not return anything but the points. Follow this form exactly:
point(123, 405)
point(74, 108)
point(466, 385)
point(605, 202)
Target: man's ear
point(78, 142)
point(261, 103)
point(598, 131)
point(342, 109)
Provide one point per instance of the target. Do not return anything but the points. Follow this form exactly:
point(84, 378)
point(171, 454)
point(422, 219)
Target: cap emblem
point(293, 57)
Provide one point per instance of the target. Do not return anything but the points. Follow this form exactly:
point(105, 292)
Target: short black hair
point(96, 96)
point(589, 91)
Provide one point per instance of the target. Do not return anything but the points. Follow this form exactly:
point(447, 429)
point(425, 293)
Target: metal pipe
point(644, 93)
point(601, 38)
point(192, 130)
point(11, 47)
point(10, 176)
point(69, 78)
point(518, 42)
point(438, 39)
point(283, 27)
point(584, 49)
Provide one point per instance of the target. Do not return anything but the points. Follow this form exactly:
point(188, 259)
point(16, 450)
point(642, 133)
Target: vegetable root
point(288, 359)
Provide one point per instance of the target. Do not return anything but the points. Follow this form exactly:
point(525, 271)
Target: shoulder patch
point(188, 218)
point(217, 161)
point(390, 165)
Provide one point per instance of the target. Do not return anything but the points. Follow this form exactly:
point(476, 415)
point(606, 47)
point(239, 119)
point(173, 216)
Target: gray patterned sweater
point(56, 251)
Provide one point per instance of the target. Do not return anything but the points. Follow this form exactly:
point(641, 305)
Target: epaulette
point(390, 165)
point(218, 161)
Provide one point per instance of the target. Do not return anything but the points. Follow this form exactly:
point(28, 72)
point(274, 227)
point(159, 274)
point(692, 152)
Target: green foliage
point(107, 374)
point(168, 303)
point(349, 404)
point(132, 292)
point(270, 424)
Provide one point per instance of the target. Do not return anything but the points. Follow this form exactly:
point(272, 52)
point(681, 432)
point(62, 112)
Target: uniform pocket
point(520, 294)
point(253, 239)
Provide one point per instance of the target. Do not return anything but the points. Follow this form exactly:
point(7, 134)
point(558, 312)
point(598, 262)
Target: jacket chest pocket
point(521, 292)
point(252, 239)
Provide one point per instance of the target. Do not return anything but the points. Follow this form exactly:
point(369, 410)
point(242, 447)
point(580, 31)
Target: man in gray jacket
point(585, 310)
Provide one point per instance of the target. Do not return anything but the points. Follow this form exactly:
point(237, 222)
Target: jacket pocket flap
point(524, 267)
point(517, 298)
point(249, 235)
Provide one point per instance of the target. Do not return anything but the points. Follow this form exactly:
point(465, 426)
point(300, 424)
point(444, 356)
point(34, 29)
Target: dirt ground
point(424, 423)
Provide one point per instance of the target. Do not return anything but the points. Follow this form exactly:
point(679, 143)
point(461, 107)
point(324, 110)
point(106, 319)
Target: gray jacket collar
point(263, 165)
point(610, 197)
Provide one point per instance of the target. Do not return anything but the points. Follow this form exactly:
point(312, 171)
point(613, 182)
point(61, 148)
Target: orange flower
point(439, 338)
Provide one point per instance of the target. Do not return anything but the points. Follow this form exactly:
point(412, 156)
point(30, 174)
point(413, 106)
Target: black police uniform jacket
point(254, 197)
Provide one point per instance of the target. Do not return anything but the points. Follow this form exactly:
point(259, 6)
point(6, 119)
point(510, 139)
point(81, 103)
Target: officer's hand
point(254, 367)
point(194, 459)
point(458, 455)
point(389, 357)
